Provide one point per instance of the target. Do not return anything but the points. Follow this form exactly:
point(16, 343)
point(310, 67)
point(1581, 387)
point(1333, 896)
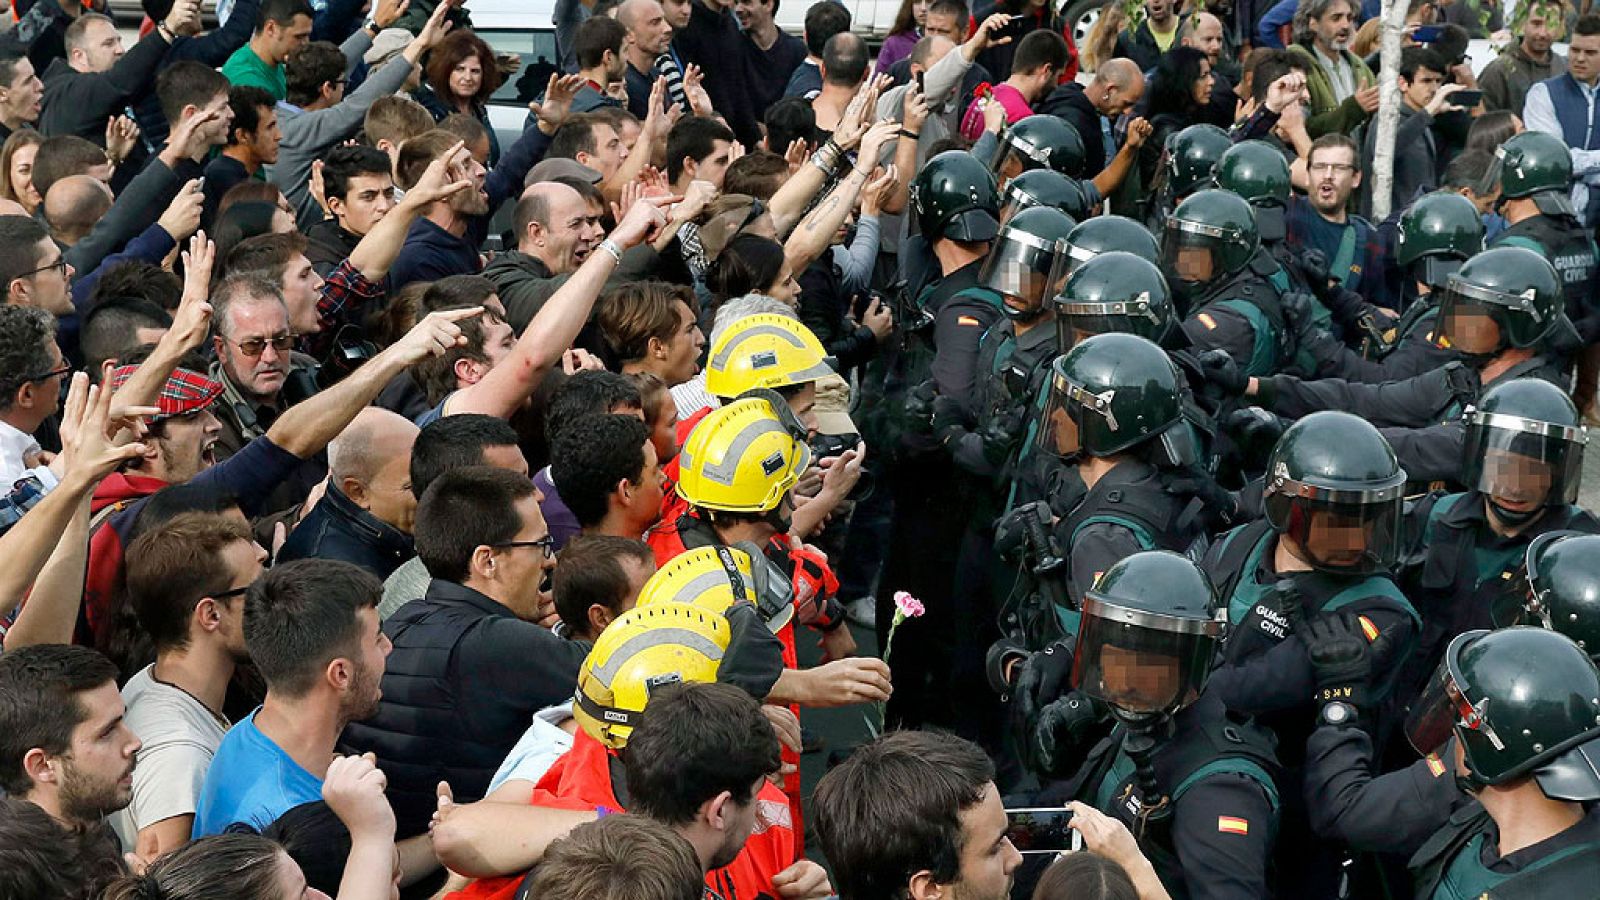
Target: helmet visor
point(1009, 160)
point(1189, 252)
point(1523, 463)
point(1060, 434)
point(1141, 662)
point(1135, 315)
point(1345, 536)
point(1473, 317)
point(1445, 705)
point(1021, 265)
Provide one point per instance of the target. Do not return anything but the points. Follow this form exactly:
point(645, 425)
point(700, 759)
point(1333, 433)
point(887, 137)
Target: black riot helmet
point(955, 197)
point(1038, 142)
point(1515, 288)
point(1438, 233)
point(1023, 264)
point(1115, 292)
point(1192, 155)
point(1102, 234)
point(1149, 634)
point(1109, 394)
point(1256, 171)
point(1044, 187)
point(1563, 575)
point(1521, 702)
point(1210, 236)
point(1334, 487)
point(1524, 448)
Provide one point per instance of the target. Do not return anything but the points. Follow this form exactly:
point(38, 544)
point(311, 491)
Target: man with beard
point(649, 36)
point(311, 627)
point(1343, 92)
point(474, 662)
point(255, 357)
point(916, 813)
point(64, 743)
point(1506, 80)
point(186, 582)
point(1321, 220)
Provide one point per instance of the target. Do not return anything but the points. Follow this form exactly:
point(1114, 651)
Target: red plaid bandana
point(185, 392)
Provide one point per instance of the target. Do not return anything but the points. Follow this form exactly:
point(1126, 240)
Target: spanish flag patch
point(1367, 628)
point(1435, 766)
point(967, 320)
point(1233, 825)
point(1207, 321)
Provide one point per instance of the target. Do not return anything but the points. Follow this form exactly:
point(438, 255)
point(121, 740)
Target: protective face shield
point(1475, 319)
point(1443, 706)
point(1339, 531)
point(1104, 308)
point(1140, 662)
point(1522, 465)
point(1435, 271)
point(1059, 434)
point(1023, 268)
point(1189, 256)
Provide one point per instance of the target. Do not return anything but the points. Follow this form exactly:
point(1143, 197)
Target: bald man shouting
point(366, 515)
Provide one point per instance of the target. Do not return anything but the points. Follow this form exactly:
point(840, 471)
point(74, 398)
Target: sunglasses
point(254, 347)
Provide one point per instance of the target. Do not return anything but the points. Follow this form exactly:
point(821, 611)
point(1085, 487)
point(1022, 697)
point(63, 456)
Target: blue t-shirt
point(435, 414)
point(251, 780)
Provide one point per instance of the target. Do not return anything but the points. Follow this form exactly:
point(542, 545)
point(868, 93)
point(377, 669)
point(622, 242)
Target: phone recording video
point(1042, 831)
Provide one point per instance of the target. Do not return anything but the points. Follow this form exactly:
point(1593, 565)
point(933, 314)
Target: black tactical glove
point(1001, 434)
point(949, 419)
point(1220, 370)
point(918, 407)
point(1300, 317)
point(1254, 429)
point(1342, 657)
point(1038, 681)
point(1064, 731)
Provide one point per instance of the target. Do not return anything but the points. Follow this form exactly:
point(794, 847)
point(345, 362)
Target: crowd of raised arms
point(1023, 457)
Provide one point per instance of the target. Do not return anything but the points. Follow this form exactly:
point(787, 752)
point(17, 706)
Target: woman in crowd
point(1179, 93)
point(16, 169)
point(903, 36)
point(460, 77)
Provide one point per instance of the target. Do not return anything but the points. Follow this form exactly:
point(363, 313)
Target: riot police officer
point(1535, 171)
point(1436, 234)
point(1562, 571)
point(956, 204)
point(1187, 162)
point(1044, 187)
point(1333, 501)
point(1104, 233)
point(1502, 312)
point(1037, 142)
point(1113, 400)
point(1522, 462)
point(1213, 260)
point(1114, 291)
point(1195, 785)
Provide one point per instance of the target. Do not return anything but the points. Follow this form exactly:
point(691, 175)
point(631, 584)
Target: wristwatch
point(1339, 715)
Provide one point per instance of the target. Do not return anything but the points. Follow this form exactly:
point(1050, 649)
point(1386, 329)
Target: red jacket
point(581, 779)
point(106, 545)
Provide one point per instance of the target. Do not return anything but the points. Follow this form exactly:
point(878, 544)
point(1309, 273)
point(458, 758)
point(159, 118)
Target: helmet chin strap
point(1032, 314)
point(1512, 517)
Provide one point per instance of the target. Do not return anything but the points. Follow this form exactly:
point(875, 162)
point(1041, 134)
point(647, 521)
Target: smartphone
point(1042, 830)
point(1466, 99)
point(1427, 34)
point(922, 87)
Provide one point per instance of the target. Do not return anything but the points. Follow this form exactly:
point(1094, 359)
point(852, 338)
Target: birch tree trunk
point(1394, 23)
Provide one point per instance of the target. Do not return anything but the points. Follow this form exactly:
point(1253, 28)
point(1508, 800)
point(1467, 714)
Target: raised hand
point(88, 448)
point(991, 33)
point(121, 134)
point(436, 333)
point(192, 321)
point(438, 25)
point(354, 791)
point(557, 104)
point(444, 178)
point(387, 11)
point(641, 221)
point(182, 216)
point(694, 90)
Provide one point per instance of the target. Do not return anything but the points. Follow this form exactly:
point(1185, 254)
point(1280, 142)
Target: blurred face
point(676, 13)
point(785, 289)
point(1335, 539)
point(101, 49)
point(21, 176)
point(1539, 31)
point(1420, 89)
point(187, 445)
point(264, 142)
point(1194, 264)
point(988, 860)
point(524, 571)
point(664, 430)
point(944, 25)
point(1331, 33)
point(650, 29)
point(282, 40)
point(1583, 57)
point(1333, 179)
point(466, 79)
point(1202, 85)
point(683, 351)
point(255, 349)
point(1521, 484)
point(95, 775)
point(20, 100)
point(1471, 331)
point(302, 287)
point(366, 691)
point(1135, 681)
point(366, 201)
point(1065, 431)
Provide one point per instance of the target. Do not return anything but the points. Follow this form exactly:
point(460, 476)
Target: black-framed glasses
point(254, 347)
point(60, 264)
point(64, 370)
point(231, 592)
point(546, 543)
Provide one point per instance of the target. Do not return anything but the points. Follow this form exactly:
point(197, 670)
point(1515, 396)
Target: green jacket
point(1328, 116)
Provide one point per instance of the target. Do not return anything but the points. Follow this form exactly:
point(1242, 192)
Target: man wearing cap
point(317, 116)
point(555, 234)
point(181, 440)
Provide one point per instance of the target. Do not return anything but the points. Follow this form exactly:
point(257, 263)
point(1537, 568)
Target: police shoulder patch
point(967, 320)
point(1233, 825)
point(1207, 321)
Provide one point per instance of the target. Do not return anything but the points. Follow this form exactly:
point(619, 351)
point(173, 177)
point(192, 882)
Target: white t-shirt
point(180, 736)
point(541, 745)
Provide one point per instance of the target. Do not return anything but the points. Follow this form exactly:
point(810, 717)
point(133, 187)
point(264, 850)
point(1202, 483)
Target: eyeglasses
point(60, 264)
point(254, 347)
point(53, 373)
point(231, 592)
point(1331, 167)
point(546, 543)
